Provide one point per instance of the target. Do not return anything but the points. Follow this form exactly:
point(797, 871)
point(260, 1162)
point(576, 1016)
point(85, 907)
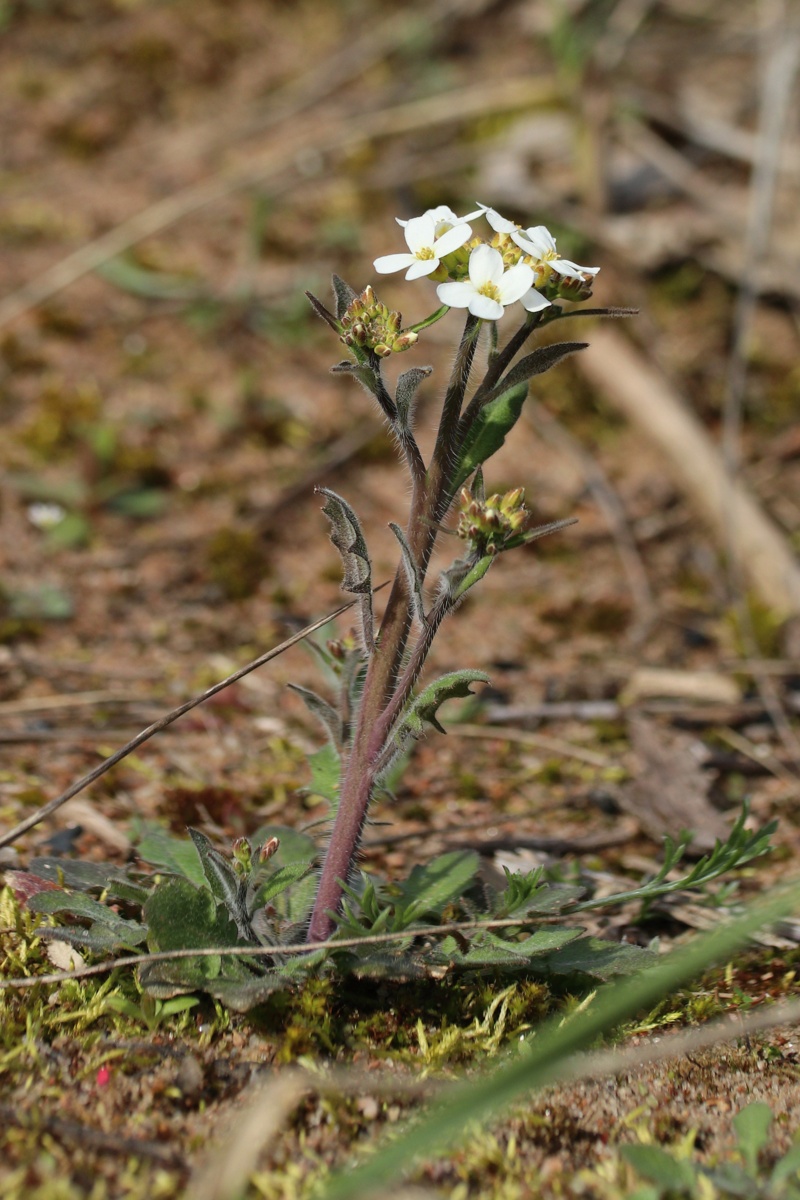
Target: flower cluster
point(373, 326)
point(488, 524)
point(514, 264)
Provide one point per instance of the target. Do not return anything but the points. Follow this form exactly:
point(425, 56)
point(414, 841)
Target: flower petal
point(537, 241)
point(420, 232)
point(455, 295)
point(421, 266)
point(534, 301)
point(563, 266)
point(393, 262)
point(452, 240)
point(485, 265)
point(485, 308)
point(499, 224)
point(515, 283)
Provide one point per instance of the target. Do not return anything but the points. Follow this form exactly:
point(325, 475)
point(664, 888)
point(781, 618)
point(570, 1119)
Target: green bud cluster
point(371, 325)
point(574, 287)
point(487, 524)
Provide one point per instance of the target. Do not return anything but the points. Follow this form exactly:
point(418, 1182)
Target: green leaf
point(180, 916)
point(348, 539)
point(413, 573)
point(343, 294)
point(488, 950)
point(325, 713)
point(325, 768)
point(428, 889)
point(489, 431)
point(538, 362)
point(102, 937)
point(176, 855)
point(424, 708)
point(225, 885)
point(655, 1165)
point(81, 905)
point(752, 1125)
point(279, 881)
point(600, 959)
point(406, 395)
point(787, 1166)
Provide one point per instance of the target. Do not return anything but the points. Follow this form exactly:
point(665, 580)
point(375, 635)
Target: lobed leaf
point(424, 708)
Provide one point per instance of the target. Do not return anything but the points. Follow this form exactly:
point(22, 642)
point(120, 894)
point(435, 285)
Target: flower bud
point(269, 848)
point(242, 854)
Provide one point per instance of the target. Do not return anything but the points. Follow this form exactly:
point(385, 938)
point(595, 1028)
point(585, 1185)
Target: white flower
point(426, 249)
point(540, 244)
point(489, 287)
point(499, 224)
point(443, 218)
point(534, 301)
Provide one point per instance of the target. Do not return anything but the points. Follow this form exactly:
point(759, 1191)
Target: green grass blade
point(553, 1046)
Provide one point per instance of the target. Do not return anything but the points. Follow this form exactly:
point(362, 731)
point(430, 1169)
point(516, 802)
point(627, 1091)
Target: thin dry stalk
point(47, 809)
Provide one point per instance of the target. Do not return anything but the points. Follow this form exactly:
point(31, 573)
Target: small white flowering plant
point(242, 926)
point(510, 271)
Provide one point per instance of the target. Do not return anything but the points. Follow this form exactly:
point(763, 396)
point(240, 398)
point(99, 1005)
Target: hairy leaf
point(280, 880)
point(325, 770)
point(538, 362)
point(101, 937)
point(600, 959)
point(175, 855)
point(180, 916)
point(343, 294)
point(226, 886)
point(322, 311)
point(429, 888)
point(489, 431)
point(348, 539)
point(406, 395)
point(325, 713)
point(413, 574)
point(425, 707)
point(488, 950)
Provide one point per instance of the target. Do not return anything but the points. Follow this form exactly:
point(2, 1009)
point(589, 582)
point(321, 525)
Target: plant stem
point(360, 772)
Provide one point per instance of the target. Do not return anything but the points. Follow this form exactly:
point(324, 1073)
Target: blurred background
point(173, 176)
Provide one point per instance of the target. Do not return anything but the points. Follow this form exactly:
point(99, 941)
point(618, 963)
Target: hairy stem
point(430, 495)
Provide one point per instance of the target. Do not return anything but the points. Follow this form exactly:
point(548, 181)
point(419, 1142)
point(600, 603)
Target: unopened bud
point(512, 500)
point(243, 854)
point(335, 649)
point(405, 340)
point(269, 849)
point(382, 350)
